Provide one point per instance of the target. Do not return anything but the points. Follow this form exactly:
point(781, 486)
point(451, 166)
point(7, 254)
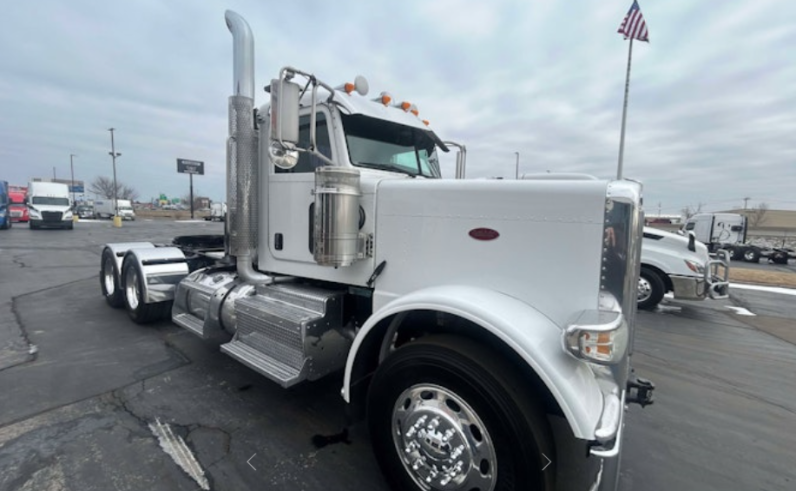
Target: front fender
point(524, 329)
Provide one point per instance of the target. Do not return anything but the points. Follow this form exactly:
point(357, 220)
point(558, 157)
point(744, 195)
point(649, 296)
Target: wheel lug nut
point(445, 480)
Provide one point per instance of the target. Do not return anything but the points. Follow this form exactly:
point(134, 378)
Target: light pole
point(517, 169)
point(72, 168)
point(113, 156)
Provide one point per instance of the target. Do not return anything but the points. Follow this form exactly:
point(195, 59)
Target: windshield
point(378, 144)
point(83, 208)
point(126, 208)
point(46, 200)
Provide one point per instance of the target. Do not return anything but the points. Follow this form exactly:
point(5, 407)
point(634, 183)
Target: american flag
point(633, 26)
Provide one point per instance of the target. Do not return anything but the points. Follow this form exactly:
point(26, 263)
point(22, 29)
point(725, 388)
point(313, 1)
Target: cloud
point(711, 103)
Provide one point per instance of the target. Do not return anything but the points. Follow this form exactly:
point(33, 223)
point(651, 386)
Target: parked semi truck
point(49, 205)
point(105, 208)
point(682, 266)
point(218, 212)
point(5, 215)
point(345, 251)
point(18, 210)
point(728, 231)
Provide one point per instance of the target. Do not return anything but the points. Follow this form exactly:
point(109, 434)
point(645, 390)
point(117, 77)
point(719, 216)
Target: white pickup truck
point(682, 265)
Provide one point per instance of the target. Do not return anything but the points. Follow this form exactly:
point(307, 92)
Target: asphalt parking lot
point(83, 389)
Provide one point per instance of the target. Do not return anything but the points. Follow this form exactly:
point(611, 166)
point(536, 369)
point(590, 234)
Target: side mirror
point(285, 111)
point(284, 123)
point(691, 242)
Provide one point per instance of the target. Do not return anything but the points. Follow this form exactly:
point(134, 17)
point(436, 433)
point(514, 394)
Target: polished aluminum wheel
point(644, 289)
point(131, 288)
point(442, 442)
point(107, 277)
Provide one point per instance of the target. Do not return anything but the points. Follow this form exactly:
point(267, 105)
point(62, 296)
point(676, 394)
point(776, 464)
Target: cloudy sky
point(712, 112)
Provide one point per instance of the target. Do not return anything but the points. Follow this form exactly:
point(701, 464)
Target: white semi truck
point(49, 205)
point(105, 208)
point(345, 251)
point(682, 266)
point(728, 231)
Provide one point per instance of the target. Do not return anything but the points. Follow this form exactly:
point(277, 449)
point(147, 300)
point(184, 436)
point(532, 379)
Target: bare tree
point(690, 211)
point(757, 215)
point(103, 186)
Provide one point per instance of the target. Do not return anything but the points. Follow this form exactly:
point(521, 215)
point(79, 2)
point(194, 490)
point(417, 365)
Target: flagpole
point(624, 112)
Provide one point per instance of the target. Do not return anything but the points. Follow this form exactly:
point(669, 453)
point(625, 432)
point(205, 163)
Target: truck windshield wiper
point(387, 167)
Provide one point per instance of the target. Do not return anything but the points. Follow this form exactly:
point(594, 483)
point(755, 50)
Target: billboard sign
point(185, 166)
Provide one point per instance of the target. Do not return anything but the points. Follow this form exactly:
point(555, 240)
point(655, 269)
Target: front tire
point(133, 287)
point(751, 256)
point(650, 289)
point(109, 280)
point(447, 409)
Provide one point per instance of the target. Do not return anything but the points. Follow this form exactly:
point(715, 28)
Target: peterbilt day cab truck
point(728, 231)
point(49, 205)
point(346, 251)
point(681, 265)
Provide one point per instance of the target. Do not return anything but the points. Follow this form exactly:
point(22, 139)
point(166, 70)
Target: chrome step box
point(290, 332)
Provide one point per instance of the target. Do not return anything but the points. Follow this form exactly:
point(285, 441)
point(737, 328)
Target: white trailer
point(104, 208)
point(49, 205)
point(346, 252)
point(683, 266)
point(728, 231)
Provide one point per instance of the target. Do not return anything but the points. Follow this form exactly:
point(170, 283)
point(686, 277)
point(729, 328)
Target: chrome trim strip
point(613, 450)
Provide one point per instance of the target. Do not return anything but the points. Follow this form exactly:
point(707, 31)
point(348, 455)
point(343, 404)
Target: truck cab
point(17, 208)
point(49, 205)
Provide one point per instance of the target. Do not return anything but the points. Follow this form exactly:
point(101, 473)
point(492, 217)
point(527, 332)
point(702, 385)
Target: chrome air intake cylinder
point(336, 231)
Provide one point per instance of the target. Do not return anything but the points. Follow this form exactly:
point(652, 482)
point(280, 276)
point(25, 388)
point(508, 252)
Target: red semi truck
point(18, 210)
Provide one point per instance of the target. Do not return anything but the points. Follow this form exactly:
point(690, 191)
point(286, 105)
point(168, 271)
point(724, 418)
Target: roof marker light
point(360, 85)
point(405, 106)
point(384, 98)
point(426, 122)
point(413, 109)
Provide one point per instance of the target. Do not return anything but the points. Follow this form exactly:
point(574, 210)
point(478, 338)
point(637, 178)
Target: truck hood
point(660, 247)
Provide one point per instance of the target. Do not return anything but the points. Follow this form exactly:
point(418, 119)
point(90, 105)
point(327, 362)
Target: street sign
point(76, 189)
point(185, 166)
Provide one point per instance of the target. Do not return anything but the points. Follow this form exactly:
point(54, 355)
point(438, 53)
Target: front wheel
point(751, 256)
point(446, 413)
point(650, 289)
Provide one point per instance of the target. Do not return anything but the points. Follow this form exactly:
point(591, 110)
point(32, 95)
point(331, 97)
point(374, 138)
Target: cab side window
point(690, 225)
point(307, 162)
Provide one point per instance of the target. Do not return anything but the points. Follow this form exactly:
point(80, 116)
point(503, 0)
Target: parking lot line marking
point(772, 289)
point(176, 448)
point(250, 463)
point(740, 310)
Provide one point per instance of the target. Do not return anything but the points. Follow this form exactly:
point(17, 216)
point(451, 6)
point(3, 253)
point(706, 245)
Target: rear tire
point(133, 290)
point(109, 280)
point(650, 289)
point(734, 253)
point(477, 399)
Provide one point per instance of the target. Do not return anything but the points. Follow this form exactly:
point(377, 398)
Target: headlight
point(67, 215)
point(34, 213)
point(695, 267)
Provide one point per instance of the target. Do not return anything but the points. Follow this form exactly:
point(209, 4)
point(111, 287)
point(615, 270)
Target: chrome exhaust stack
point(242, 147)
